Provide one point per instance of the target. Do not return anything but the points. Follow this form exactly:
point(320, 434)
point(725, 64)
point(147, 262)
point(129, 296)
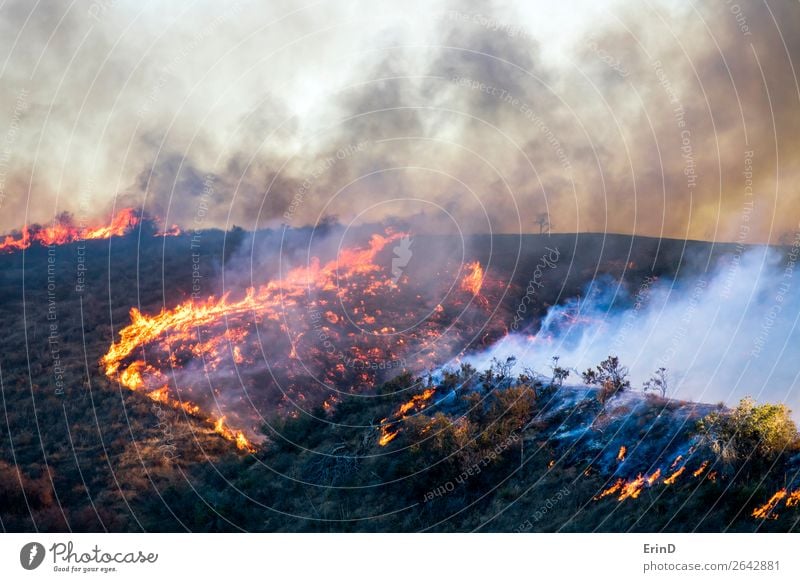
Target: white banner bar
point(399, 557)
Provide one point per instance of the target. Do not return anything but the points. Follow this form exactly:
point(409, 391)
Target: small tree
point(610, 376)
point(543, 222)
point(498, 374)
point(657, 383)
point(559, 374)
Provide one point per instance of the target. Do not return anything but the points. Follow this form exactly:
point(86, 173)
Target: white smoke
point(722, 335)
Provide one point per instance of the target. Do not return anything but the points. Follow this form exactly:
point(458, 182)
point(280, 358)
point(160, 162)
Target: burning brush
point(63, 231)
point(321, 326)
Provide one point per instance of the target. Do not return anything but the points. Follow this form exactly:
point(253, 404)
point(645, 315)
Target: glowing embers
point(62, 231)
point(767, 510)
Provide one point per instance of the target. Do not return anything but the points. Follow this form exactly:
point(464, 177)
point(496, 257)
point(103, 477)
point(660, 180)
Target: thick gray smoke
point(608, 116)
point(721, 337)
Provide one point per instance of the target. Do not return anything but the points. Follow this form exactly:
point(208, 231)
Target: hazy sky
point(659, 118)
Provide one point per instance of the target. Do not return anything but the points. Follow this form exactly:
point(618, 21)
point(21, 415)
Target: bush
point(758, 433)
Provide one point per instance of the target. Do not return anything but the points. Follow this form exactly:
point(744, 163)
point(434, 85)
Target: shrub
point(758, 433)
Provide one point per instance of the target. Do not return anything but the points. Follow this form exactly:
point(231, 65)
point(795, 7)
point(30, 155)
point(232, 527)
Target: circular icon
point(31, 555)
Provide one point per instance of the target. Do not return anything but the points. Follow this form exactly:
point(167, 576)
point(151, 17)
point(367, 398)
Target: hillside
point(428, 444)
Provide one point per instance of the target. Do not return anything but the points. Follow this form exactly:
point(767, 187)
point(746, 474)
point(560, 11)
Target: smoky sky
point(657, 118)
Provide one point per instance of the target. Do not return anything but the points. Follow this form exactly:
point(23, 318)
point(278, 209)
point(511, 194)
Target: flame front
point(630, 489)
point(62, 231)
point(325, 323)
point(767, 510)
point(176, 331)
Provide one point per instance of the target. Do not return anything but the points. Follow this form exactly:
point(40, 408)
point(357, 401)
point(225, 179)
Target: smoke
point(721, 335)
point(479, 116)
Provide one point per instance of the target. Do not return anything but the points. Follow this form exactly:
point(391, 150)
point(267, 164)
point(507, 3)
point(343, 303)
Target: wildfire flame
point(630, 489)
point(234, 436)
point(473, 279)
point(700, 469)
point(654, 477)
point(177, 331)
point(387, 436)
point(622, 452)
point(174, 230)
point(62, 231)
point(321, 319)
point(618, 484)
point(767, 510)
point(674, 477)
point(416, 403)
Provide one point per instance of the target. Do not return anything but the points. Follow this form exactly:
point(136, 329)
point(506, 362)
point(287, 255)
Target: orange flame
point(674, 477)
point(179, 326)
point(417, 402)
point(630, 489)
point(618, 485)
point(62, 231)
point(121, 224)
point(766, 511)
point(473, 280)
point(174, 230)
point(621, 454)
point(387, 436)
point(700, 469)
point(235, 436)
